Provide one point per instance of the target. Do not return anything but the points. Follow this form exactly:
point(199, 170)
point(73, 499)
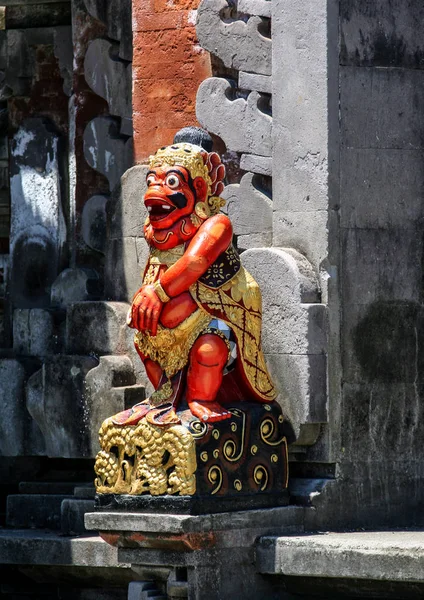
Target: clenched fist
point(145, 310)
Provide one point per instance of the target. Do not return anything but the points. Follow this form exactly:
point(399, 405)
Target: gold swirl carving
point(215, 477)
point(144, 458)
point(254, 450)
point(267, 431)
point(260, 477)
point(204, 456)
point(238, 485)
point(274, 458)
point(230, 446)
point(215, 434)
point(215, 453)
point(197, 429)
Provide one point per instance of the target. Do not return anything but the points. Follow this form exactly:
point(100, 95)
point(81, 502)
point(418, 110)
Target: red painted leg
point(207, 360)
point(153, 370)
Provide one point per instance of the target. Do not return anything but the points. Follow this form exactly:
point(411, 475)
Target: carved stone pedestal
point(193, 467)
point(208, 557)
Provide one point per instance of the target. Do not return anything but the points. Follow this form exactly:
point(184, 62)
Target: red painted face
point(171, 194)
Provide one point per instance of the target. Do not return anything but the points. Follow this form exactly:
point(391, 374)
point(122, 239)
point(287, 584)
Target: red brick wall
point(168, 67)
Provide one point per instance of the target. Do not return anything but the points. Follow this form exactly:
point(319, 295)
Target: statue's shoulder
point(218, 220)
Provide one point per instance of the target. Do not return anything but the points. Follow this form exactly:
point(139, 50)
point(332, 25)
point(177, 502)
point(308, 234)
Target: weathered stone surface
point(93, 223)
point(35, 332)
point(96, 328)
point(38, 228)
point(74, 285)
point(256, 164)
point(382, 189)
point(250, 211)
point(373, 280)
point(143, 590)
point(117, 16)
point(112, 372)
point(72, 513)
point(382, 33)
point(57, 401)
point(382, 342)
point(255, 7)
point(126, 210)
point(302, 382)
point(105, 150)
point(109, 77)
point(34, 511)
point(253, 81)
point(372, 414)
point(221, 524)
point(294, 333)
point(306, 232)
point(244, 125)
point(48, 548)
point(125, 262)
point(363, 92)
point(19, 435)
point(226, 540)
point(384, 555)
point(240, 45)
point(305, 122)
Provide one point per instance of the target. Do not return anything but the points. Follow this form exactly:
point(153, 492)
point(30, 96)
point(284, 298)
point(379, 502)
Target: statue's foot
point(208, 412)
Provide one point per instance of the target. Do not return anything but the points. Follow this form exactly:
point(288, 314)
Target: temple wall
point(168, 65)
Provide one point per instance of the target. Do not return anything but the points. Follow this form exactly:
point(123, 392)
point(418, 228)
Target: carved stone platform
point(211, 555)
point(193, 467)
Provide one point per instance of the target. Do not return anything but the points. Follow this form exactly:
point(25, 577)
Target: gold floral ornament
point(144, 458)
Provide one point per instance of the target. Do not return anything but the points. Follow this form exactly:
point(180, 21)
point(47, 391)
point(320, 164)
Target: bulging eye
point(150, 180)
point(172, 181)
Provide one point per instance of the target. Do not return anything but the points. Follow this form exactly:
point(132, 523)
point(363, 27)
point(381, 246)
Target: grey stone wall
point(344, 146)
point(277, 236)
point(381, 247)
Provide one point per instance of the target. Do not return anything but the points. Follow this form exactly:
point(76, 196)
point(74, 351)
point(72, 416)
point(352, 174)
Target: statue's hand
point(145, 310)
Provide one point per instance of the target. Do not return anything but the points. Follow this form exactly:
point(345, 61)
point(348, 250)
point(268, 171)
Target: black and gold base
point(193, 468)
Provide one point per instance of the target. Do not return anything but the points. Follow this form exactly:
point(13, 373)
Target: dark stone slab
point(382, 33)
point(188, 505)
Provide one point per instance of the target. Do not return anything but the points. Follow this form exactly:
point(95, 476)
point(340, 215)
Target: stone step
point(38, 511)
point(143, 590)
point(72, 513)
point(50, 487)
point(391, 556)
point(128, 395)
point(86, 492)
point(92, 594)
point(37, 547)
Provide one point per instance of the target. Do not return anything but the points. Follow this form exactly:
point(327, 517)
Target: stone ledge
point(31, 547)
point(379, 555)
point(281, 517)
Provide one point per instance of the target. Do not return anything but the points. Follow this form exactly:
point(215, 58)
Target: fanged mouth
point(158, 210)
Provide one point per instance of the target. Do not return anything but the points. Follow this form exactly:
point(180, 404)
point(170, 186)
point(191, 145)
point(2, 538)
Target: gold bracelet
point(160, 292)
